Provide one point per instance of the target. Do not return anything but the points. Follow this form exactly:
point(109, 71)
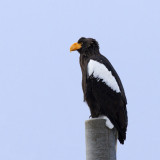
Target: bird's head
point(85, 46)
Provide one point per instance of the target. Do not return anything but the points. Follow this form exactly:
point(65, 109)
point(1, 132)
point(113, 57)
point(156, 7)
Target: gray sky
point(42, 112)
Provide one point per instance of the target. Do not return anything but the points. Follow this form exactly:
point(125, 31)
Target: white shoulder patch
point(100, 71)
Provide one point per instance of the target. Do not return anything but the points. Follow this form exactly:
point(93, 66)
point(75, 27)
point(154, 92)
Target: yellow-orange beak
point(75, 46)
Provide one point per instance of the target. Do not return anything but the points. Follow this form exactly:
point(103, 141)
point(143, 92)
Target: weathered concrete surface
point(100, 140)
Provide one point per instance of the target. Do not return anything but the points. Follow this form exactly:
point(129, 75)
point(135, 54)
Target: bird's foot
point(108, 122)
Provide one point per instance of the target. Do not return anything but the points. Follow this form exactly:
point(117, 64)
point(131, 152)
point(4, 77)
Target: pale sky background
point(42, 112)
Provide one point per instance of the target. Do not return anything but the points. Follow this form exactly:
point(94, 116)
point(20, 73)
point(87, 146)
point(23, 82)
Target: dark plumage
point(102, 98)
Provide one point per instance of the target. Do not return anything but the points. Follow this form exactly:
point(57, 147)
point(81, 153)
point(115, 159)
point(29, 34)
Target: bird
point(102, 88)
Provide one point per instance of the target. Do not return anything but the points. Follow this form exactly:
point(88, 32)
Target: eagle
point(102, 88)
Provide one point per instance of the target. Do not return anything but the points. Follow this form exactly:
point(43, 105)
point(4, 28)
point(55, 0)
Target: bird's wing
point(104, 84)
point(103, 60)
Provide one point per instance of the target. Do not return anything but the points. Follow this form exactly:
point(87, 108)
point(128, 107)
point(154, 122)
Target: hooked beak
point(75, 46)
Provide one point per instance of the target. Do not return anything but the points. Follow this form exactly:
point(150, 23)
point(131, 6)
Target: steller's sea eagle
point(102, 87)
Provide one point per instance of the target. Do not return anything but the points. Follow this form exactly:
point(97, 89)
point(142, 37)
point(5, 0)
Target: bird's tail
point(122, 136)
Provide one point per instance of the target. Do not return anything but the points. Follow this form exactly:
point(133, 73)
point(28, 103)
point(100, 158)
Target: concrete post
point(100, 140)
